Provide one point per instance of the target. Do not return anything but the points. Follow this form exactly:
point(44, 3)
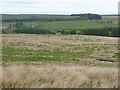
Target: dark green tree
point(73, 32)
point(19, 25)
point(67, 32)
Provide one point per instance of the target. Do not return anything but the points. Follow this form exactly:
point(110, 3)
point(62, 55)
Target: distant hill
point(47, 18)
point(88, 16)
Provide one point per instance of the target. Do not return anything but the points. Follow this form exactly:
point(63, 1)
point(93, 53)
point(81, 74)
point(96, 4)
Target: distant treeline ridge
point(22, 18)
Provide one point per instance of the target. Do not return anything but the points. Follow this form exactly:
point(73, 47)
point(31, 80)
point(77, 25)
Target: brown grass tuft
point(55, 76)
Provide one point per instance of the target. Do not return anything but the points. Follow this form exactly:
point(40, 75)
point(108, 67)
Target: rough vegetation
point(59, 61)
point(58, 51)
point(55, 76)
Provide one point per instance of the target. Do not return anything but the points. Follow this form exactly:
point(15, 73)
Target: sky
point(58, 6)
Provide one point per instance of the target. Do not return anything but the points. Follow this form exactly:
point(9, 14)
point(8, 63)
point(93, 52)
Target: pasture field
point(59, 61)
point(114, 19)
point(66, 25)
point(61, 22)
point(38, 16)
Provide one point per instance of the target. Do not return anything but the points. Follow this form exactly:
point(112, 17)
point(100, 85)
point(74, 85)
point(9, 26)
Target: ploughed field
point(59, 61)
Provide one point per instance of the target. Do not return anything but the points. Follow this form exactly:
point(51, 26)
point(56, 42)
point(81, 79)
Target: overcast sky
point(58, 6)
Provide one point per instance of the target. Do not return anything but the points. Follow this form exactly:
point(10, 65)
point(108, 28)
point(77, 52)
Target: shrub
point(80, 32)
point(73, 32)
point(67, 32)
point(58, 33)
point(33, 31)
point(110, 34)
point(19, 25)
point(7, 31)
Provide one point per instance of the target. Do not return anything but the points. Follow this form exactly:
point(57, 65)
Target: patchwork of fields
point(63, 25)
point(54, 60)
point(65, 22)
point(114, 19)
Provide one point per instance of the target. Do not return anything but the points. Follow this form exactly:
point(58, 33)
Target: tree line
point(88, 16)
point(19, 27)
point(40, 19)
point(51, 19)
point(108, 31)
point(111, 32)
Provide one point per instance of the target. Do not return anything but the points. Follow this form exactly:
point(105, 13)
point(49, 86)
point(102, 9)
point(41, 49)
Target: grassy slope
point(60, 25)
point(52, 48)
point(24, 16)
point(53, 61)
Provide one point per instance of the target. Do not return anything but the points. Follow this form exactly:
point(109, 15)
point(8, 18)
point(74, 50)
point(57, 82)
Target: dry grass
point(71, 43)
point(56, 76)
point(75, 73)
point(0, 76)
point(109, 17)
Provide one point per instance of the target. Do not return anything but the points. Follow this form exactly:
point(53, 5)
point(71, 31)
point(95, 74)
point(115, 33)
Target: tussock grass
point(58, 61)
point(56, 76)
point(82, 46)
point(0, 76)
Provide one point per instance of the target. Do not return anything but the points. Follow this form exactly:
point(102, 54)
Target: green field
point(38, 16)
point(56, 49)
point(66, 22)
point(62, 25)
point(76, 47)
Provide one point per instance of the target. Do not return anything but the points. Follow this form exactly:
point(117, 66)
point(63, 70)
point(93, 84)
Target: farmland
point(65, 24)
point(31, 58)
point(60, 22)
point(112, 18)
point(52, 51)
